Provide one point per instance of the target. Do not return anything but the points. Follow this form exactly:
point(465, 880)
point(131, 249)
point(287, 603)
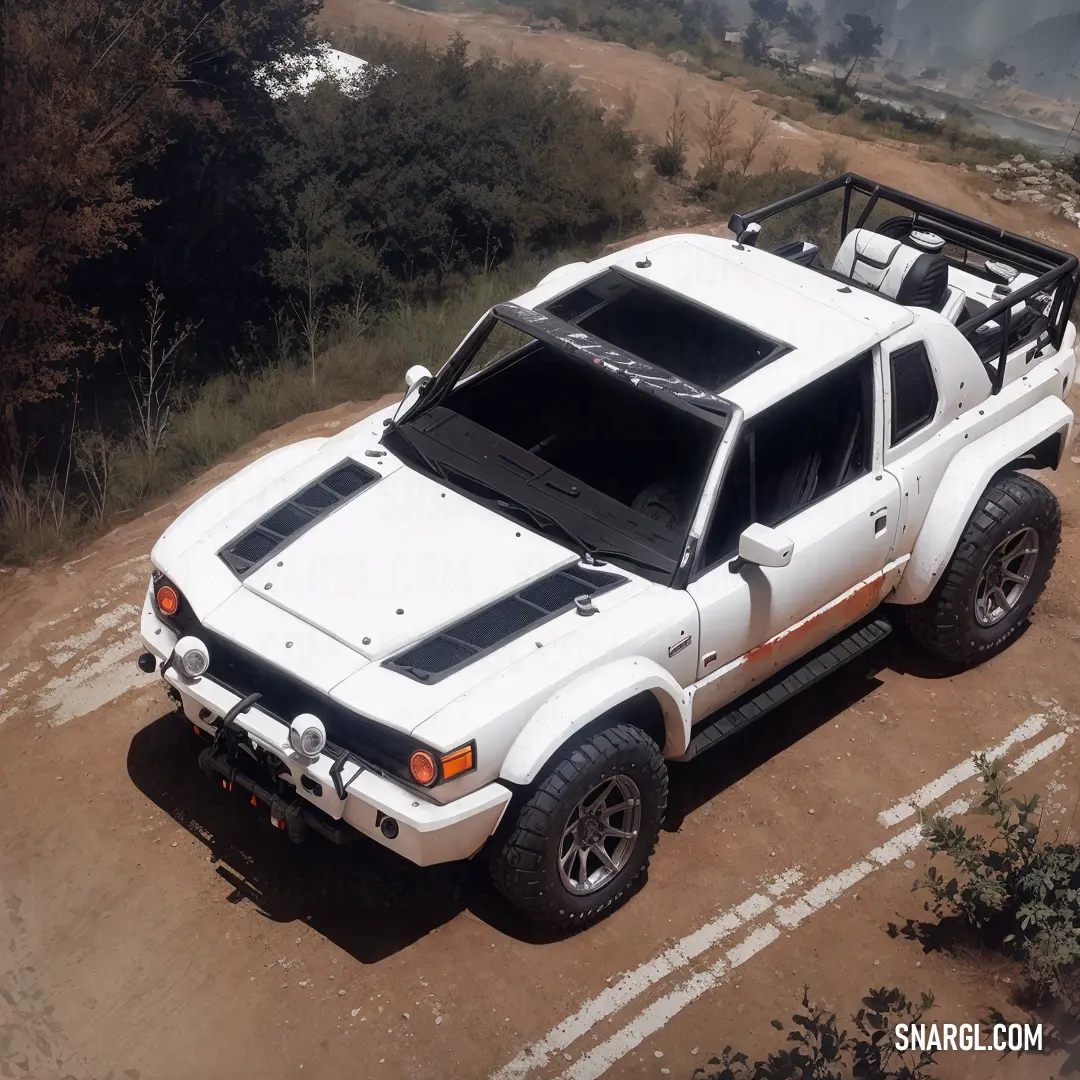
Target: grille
point(275, 531)
point(347, 480)
point(914, 394)
point(287, 520)
point(285, 697)
point(255, 546)
point(499, 623)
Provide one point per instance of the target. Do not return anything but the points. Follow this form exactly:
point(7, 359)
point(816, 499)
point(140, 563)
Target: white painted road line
point(636, 982)
point(958, 774)
point(594, 1063)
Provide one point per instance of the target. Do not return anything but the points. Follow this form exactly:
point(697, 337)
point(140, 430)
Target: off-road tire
point(523, 858)
point(945, 623)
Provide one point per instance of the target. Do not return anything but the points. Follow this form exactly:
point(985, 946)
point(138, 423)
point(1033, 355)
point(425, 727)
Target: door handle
point(879, 525)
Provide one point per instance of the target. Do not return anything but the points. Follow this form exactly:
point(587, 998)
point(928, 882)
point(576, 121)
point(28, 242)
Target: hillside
point(1047, 56)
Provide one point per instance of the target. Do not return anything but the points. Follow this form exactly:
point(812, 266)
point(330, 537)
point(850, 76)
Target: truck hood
point(402, 559)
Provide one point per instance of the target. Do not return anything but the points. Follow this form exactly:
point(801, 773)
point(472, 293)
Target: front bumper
point(427, 832)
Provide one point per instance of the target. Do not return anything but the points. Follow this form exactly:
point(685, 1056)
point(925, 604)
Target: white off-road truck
point(638, 507)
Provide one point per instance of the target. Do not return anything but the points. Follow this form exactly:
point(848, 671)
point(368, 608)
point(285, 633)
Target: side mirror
point(763, 546)
point(416, 374)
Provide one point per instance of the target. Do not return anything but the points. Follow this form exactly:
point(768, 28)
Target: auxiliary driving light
point(307, 735)
point(192, 657)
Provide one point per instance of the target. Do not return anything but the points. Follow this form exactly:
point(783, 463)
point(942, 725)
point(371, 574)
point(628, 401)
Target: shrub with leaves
point(820, 1050)
point(1021, 893)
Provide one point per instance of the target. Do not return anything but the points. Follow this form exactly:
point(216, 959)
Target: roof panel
point(825, 322)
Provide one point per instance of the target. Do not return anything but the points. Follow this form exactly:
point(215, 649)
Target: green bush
point(1020, 894)
point(820, 1050)
point(668, 160)
point(442, 166)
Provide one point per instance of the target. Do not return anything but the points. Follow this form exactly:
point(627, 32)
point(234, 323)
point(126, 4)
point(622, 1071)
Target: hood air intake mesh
point(285, 522)
point(495, 625)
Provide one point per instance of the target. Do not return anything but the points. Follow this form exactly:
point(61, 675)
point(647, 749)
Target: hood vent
point(493, 626)
point(286, 521)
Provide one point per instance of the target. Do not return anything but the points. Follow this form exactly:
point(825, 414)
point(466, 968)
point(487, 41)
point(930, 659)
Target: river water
point(1049, 141)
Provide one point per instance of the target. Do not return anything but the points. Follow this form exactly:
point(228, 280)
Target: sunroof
point(667, 330)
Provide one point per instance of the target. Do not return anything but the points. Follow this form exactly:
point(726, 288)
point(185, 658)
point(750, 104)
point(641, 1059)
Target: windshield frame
point(585, 348)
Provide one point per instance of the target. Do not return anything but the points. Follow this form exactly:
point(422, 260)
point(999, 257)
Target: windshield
point(576, 447)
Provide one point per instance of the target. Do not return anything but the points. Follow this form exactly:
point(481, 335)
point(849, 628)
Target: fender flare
point(963, 485)
point(581, 701)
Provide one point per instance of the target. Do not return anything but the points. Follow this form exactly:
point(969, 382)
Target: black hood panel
point(267, 537)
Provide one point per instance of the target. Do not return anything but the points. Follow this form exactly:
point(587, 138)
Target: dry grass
point(110, 477)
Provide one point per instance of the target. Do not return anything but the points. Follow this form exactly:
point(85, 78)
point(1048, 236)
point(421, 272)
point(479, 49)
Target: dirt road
point(607, 70)
point(155, 926)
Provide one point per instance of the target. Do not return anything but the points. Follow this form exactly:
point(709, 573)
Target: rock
point(982, 168)
point(1044, 164)
point(1028, 168)
point(658, 1053)
point(354, 1013)
point(1003, 196)
point(1029, 195)
point(1019, 160)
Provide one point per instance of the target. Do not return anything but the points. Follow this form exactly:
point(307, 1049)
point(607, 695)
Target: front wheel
point(587, 830)
point(996, 574)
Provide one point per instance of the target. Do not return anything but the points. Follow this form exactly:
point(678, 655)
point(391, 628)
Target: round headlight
point(192, 657)
point(168, 601)
point(307, 735)
point(422, 767)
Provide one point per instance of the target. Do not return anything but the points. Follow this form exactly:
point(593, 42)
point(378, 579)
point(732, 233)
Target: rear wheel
point(996, 574)
point(587, 830)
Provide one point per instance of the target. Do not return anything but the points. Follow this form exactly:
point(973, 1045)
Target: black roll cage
point(1054, 269)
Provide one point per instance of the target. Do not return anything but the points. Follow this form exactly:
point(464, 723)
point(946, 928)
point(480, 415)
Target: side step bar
point(787, 683)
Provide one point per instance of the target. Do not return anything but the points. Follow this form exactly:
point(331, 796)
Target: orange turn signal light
point(458, 761)
point(422, 767)
point(167, 600)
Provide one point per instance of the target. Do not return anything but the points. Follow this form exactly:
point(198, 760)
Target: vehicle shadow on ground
point(697, 782)
point(362, 897)
point(373, 903)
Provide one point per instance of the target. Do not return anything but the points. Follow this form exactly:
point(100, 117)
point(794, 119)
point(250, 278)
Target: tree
point(669, 158)
point(759, 35)
point(802, 23)
point(772, 16)
point(860, 41)
point(441, 167)
point(999, 71)
point(89, 94)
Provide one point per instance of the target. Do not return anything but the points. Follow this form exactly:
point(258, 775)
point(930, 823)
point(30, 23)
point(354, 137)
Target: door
point(810, 467)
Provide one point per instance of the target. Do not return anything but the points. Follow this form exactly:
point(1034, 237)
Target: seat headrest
point(911, 277)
